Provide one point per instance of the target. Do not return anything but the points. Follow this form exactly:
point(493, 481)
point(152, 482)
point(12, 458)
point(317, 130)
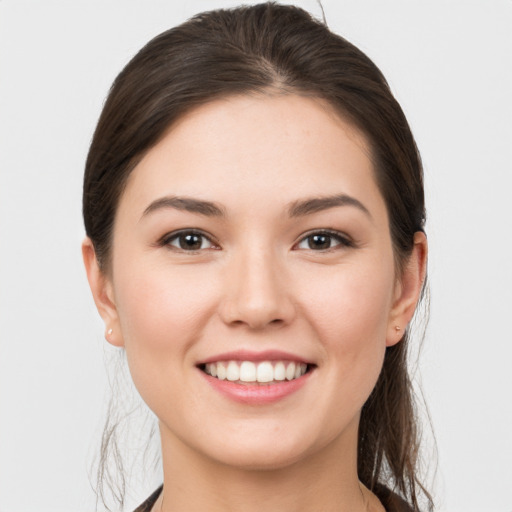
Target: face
point(253, 283)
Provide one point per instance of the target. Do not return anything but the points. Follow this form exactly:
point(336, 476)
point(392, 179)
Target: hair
point(275, 49)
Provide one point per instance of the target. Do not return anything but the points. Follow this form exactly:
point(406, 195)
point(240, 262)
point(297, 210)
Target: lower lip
point(256, 394)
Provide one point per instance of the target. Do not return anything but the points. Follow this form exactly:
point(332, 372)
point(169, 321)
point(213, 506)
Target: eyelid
point(165, 241)
point(343, 239)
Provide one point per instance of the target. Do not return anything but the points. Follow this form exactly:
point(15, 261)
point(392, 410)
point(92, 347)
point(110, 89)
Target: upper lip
point(249, 355)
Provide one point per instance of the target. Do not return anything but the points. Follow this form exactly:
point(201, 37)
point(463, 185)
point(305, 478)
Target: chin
point(261, 459)
point(269, 450)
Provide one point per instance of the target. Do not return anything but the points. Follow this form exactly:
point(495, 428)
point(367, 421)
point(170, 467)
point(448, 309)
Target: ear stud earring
point(109, 333)
point(397, 329)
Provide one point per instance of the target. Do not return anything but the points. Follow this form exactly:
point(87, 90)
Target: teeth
point(247, 371)
point(264, 372)
point(279, 371)
point(233, 371)
point(290, 371)
point(221, 371)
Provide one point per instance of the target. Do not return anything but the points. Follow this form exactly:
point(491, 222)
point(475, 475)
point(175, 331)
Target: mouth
point(256, 373)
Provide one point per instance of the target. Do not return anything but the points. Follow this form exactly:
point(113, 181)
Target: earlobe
point(408, 290)
point(102, 292)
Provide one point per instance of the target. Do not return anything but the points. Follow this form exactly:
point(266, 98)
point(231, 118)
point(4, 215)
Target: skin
point(257, 285)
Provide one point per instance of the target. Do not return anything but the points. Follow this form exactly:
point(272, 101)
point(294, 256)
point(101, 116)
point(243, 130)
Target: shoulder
point(148, 504)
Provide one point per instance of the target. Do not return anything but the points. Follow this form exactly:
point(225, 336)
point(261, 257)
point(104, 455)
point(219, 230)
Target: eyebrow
point(296, 208)
point(318, 204)
point(187, 204)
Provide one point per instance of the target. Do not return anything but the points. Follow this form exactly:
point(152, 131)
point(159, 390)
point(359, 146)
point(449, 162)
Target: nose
point(257, 294)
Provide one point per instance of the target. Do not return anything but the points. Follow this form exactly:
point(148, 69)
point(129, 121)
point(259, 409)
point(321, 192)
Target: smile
point(249, 372)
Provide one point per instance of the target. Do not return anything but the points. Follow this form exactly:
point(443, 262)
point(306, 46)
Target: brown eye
point(323, 240)
point(319, 241)
point(188, 241)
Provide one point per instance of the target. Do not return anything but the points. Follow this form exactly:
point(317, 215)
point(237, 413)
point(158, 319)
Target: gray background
point(449, 64)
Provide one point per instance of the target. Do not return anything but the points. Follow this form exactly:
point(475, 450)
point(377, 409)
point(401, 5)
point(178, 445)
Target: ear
point(408, 289)
point(103, 294)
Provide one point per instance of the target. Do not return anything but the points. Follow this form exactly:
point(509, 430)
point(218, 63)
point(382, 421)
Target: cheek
point(351, 304)
point(162, 311)
point(159, 305)
point(349, 312)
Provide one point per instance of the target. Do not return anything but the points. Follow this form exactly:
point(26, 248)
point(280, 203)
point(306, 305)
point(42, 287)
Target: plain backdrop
point(448, 63)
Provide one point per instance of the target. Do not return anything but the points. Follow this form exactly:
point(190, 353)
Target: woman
point(254, 210)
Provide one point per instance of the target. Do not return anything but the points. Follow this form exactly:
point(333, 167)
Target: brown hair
point(266, 48)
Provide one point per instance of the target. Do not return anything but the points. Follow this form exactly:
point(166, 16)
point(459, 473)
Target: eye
point(188, 240)
point(323, 240)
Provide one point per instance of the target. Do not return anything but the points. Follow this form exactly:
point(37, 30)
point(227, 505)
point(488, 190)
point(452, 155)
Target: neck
point(324, 481)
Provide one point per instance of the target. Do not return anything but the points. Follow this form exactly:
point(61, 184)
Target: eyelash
point(175, 236)
point(343, 240)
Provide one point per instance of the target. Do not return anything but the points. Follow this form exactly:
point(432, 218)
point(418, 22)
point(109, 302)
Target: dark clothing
point(391, 501)
point(146, 506)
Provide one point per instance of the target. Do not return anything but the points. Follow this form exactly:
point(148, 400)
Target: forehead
point(256, 150)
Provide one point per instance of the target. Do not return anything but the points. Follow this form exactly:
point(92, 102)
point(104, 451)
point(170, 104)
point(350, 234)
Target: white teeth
point(279, 371)
point(233, 371)
point(263, 372)
point(290, 371)
point(248, 371)
point(221, 371)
